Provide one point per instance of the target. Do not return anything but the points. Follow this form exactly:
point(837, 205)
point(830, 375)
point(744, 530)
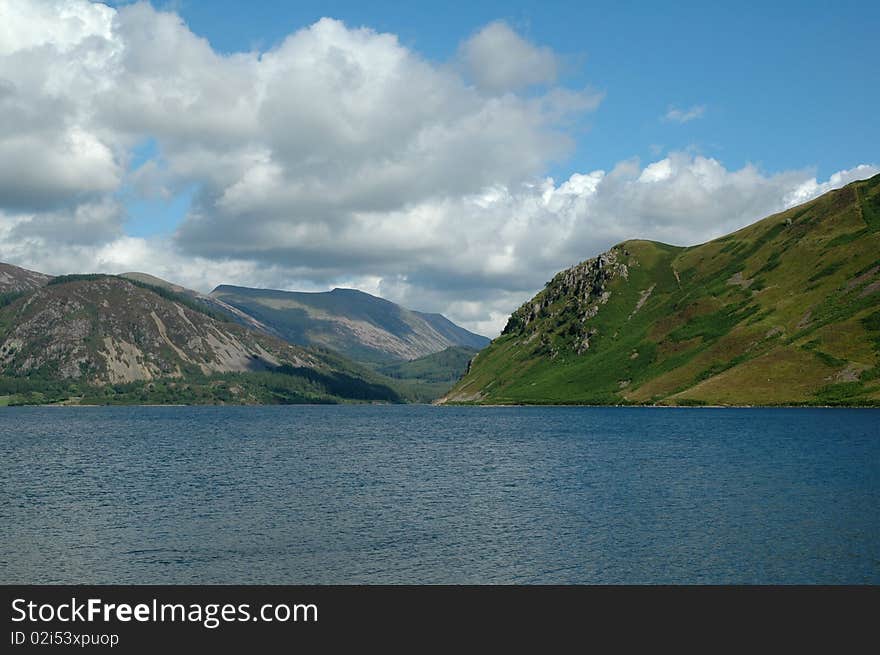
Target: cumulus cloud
point(338, 158)
point(333, 120)
point(58, 24)
point(811, 188)
point(90, 223)
point(676, 115)
point(52, 62)
point(498, 59)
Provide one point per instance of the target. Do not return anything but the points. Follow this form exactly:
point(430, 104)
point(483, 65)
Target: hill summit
point(785, 311)
point(103, 339)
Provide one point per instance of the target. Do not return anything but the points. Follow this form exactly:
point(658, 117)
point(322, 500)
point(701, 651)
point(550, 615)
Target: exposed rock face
point(579, 291)
point(14, 279)
point(643, 298)
point(111, 331)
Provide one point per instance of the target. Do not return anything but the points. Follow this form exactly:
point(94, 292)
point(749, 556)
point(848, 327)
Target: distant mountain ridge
point(784, 311)
point(232, 313)
point(82, 332)
point(358, 325)
point(141, 338)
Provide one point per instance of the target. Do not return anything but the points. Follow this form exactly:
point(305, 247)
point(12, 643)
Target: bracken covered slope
point(785, 311)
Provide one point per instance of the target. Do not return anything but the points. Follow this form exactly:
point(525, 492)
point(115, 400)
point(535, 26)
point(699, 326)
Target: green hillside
point(785, 311)
point(428, 378)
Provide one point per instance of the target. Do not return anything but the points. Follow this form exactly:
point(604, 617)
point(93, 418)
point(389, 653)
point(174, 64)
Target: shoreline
point(877, 406)
point(434, 404)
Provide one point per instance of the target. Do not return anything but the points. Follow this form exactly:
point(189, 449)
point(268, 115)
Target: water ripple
point(413, 494)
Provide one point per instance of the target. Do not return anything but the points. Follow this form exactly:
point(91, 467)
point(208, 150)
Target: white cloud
point(54, 58)
point(89, 223)
point(332, 122)
point(59, 24)
point(498, 59)
point(676, 115)
point(811, 188)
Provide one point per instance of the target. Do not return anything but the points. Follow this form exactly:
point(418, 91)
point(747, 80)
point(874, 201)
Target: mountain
point(215, 305)
point(785, 311)
point(107, 339)
point(17, 280)
point(360, 326)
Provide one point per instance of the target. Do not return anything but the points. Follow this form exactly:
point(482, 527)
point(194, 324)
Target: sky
point(447, 156)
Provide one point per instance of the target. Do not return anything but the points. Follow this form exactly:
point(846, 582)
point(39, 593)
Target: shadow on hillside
point(341, 384)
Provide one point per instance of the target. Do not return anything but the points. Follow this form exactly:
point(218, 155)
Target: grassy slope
point(785, 311)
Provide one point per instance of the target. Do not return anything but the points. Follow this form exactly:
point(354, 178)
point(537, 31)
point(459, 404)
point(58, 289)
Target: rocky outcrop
point(578, 292)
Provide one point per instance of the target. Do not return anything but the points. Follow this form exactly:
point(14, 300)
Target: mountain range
point(106, 339)
point(783, 312)
point(95, 338)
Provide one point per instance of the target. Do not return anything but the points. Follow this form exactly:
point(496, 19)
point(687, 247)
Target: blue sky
point(785, 84)
point(450, 157)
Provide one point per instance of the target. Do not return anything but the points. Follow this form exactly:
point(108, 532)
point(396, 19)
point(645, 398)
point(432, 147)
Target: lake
point(420, 494)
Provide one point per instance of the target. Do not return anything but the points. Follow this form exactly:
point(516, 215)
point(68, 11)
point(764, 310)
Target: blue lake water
point(416, 494)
